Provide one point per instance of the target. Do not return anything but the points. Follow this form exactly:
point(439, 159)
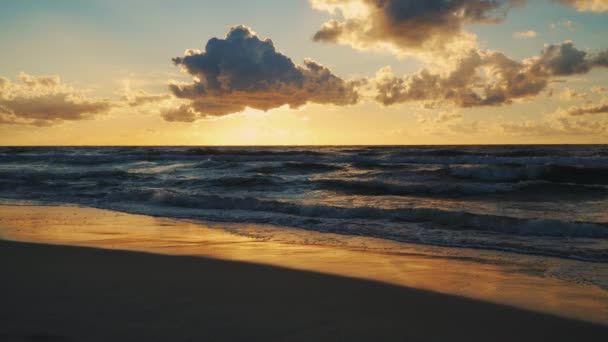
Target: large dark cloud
point(502, 80)
point(586, 5)
point(409, 27)
point(243, 71)
point(44, 101)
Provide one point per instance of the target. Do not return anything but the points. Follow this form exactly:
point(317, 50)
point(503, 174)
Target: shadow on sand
point(62, 293)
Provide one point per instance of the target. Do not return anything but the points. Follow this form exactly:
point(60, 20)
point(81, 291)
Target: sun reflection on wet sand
point(491, 276)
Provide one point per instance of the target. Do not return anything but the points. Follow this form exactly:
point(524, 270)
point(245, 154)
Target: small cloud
point(182, 113)
point(599, 90)
point(556, 125)
point(569, 24)
point(466, 128)
point(525, 34)
point(45, 101)
point(594, 108)
point(141, 97)
point(571, 94)
point(586, 5)
point(445, 117)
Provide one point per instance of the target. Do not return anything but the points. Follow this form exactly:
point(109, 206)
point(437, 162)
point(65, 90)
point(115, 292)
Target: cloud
point(571, 94)
point(44, 101)
point(599, 90)
point(525, 34)
point(565, 60)
point(556, 126)
point(599, 108)
point(141, 98)
point(467, 128)
point(569, 24)
point(575, 121)
point(182, 113)
point(445, 124)
point(447, 117)
point(243, 71)
point(485, 78)
point(409, 27)
point(586, 5)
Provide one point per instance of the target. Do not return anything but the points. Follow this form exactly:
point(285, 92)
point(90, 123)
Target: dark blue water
point(548, 200)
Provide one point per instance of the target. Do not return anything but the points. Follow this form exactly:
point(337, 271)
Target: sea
point(531, 200)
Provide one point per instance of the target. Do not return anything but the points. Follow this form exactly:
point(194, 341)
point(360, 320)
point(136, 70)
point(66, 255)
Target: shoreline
point(418, 267)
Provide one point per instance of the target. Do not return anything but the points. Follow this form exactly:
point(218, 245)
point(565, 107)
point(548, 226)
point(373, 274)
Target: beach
point(133, 277)
point(321, 170)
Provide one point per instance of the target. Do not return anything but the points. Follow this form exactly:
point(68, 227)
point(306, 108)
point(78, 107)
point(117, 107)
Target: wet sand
point(303, 293)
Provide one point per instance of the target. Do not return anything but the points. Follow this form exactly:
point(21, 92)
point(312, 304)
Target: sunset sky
point(303, 72)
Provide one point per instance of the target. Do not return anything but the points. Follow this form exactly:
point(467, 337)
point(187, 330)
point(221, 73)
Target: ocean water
point(541, 200)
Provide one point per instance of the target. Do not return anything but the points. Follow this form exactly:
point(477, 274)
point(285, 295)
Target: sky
point(300, 72)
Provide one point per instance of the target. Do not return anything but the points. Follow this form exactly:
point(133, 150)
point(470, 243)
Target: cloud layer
point(44, 101)
point(243, 71)
point(556, 126)
point(409, 27)
point(484, 78)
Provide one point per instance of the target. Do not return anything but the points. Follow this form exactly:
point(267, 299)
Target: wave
point(61, 175)
point(552, 173)
point(374, 157)
point(251, 152)
point(229, 182)
point(301, 167)
point(214, 164)
point(411, 183)
point(244, 182)
point(377, 164)
point(491, 152)
point(379, 188)
point(457, 220)
point(196, 181)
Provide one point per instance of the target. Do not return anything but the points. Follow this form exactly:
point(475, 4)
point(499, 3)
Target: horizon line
point(320, 145)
